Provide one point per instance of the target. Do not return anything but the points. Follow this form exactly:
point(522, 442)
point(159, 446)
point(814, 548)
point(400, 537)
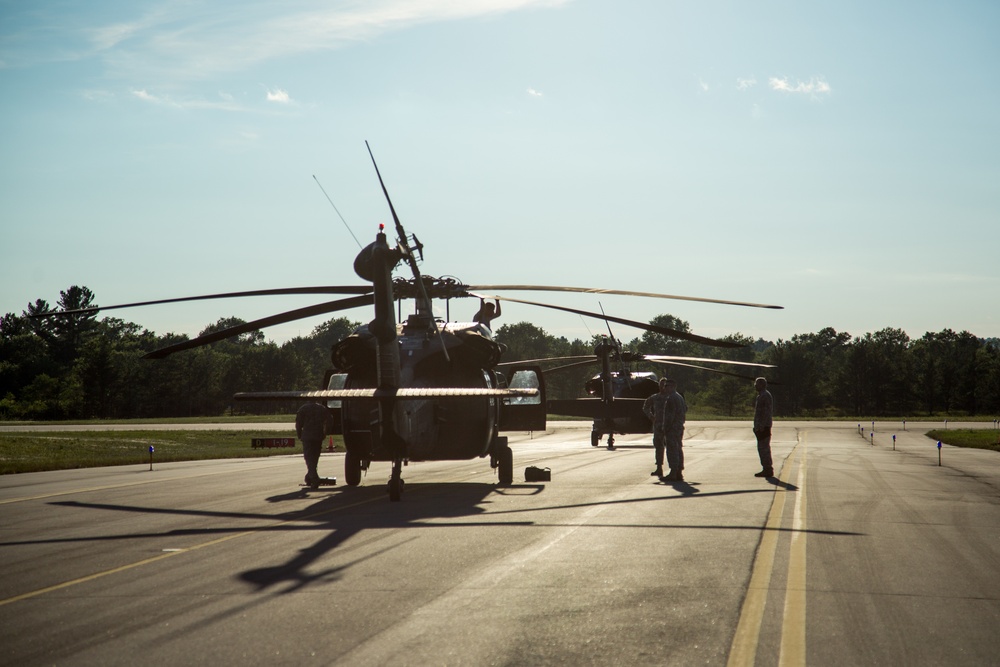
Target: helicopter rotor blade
point(665, 358)
point(588, 357)
point(704, 368)
point(672, 333)
point(282, 291)
point(290, 316)
point(595, 290)
point(577, 364)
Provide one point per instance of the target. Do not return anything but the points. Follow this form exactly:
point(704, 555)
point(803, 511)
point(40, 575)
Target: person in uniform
point(653, 409)
point(487, 312)
point(763, 417)
point(674, 412)
point(313, 422)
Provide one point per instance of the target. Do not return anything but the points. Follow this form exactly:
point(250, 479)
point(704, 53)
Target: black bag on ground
point(533, 474)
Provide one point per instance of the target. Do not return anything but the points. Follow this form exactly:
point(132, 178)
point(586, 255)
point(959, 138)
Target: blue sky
point(839, 159)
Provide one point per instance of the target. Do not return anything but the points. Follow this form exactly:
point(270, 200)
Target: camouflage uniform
point(312, 422)
point(653, 408)
point(763, 418)
point(674, 412)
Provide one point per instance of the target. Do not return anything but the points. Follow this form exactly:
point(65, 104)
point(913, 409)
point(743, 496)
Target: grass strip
point(35, 452)
point(967, 437)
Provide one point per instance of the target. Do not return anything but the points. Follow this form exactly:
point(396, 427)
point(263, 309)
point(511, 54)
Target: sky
point(841, 160)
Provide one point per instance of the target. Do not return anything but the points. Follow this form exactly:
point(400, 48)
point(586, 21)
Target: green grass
point(964, 437)
point(34, 452)
point(222, 419)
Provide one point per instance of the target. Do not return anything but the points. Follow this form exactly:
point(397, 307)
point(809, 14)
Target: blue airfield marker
point(893, 442)
point(150, 457)
point(939, 453)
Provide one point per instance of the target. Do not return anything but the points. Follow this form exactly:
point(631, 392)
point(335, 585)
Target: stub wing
point(595, 408)
point(404, 393)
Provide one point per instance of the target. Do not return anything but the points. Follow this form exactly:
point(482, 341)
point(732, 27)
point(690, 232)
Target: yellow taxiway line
point(793, 626)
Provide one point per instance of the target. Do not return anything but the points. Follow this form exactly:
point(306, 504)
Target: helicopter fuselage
point(425, 429)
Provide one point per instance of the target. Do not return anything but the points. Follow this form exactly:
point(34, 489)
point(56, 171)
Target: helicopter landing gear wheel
point(611, 441)
point(505, 466)
point(396, 482)
point(352, 469)
point(595, 438)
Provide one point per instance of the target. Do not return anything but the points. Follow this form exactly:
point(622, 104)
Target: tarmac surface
point(863, 550)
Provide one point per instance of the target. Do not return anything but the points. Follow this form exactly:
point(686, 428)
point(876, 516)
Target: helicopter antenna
point(618, 347)
point(338, 211)
point(601, 306)
point(410, 258)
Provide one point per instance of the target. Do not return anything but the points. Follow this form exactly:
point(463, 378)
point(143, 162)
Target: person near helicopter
point(313, 422)
point(667, 410)
point(487, 312)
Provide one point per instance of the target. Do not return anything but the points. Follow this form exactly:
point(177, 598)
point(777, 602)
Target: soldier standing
point(674, 412)
point(313, 422)
point(653, 409)
point(763, 417)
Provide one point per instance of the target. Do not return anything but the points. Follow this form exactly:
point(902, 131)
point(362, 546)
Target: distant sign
point(272, 442)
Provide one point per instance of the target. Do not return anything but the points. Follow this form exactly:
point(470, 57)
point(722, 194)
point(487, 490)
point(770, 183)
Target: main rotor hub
point(436, 288)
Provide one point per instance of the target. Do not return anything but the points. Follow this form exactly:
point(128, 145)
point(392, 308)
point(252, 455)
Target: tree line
point(82, 367)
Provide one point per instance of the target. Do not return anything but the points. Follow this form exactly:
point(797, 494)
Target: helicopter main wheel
point(396, 482)
point(611, 441)
point(595, 438)
point(353, 465)
point(505, 466)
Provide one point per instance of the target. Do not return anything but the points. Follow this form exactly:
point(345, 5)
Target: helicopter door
point(524, 413)
point(336, 380)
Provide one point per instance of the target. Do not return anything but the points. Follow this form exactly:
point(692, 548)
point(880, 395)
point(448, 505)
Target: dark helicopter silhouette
point(619, 392)
point(421, 389)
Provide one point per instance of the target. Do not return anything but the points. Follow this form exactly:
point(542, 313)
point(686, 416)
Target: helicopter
point(620, 392)
point(419, 388)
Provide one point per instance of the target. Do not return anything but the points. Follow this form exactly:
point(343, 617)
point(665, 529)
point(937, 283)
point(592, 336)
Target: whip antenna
point(338, 212)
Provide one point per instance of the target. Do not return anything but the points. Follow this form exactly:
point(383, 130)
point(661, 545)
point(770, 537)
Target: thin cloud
point(225, 103)
point(533, 92)
point(812, 87)
point(186, 41)
point(279, 96)
point(148, 97)
point(745, 84)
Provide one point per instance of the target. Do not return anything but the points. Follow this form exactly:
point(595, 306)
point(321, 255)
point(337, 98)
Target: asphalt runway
point(856, 554)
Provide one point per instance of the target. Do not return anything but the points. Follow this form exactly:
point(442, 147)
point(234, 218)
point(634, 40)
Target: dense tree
point(82, 367)
point(804, 381)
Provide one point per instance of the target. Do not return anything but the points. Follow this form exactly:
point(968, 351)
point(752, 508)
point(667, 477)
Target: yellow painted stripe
point(793, 625)
point(744, 647)
point(171, 554)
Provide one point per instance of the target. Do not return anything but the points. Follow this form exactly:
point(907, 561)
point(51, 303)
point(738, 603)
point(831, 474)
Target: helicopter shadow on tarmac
point(340, 514)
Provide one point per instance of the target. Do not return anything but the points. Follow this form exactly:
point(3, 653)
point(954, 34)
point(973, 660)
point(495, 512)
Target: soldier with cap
point(763, 418)
point(667, 409)
point(653, 409)
point(674, 412)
